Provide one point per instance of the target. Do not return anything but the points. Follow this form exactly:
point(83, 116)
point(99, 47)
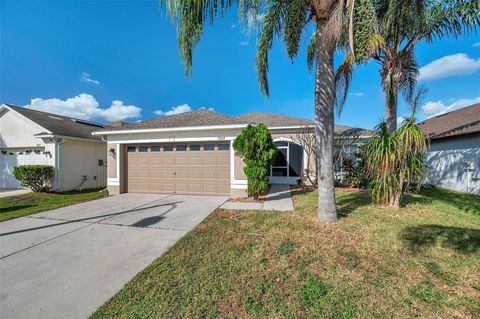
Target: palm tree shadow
point(468, 203)
point(347, 204)
point(462, 240)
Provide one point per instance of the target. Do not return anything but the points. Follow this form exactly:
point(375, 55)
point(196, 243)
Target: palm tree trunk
point(391, 98)
point(324, 95)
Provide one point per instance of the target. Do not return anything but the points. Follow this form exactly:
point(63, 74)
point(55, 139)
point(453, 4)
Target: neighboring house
point(454, 157)
point(33, 137)
point(191, 153)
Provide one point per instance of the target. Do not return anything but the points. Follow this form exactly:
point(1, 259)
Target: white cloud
point(476, 45)
point(243, 43)
point(450, 65)
point(400, 121)
point(357, 94)
point(434, 108)
point(86, 78)
point(85, 106)
point(175, 110)
point(179, 109)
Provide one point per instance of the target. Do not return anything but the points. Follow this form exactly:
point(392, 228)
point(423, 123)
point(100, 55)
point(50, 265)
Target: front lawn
point(31, 203)
point(420, 261)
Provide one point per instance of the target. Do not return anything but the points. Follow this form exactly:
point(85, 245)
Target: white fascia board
point(39, 127)
point(174, 140)
point(171, 129)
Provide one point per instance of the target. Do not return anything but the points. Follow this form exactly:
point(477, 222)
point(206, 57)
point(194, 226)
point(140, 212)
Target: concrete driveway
point(67, 262)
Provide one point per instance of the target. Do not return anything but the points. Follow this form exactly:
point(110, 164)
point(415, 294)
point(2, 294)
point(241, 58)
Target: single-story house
point(191, 153)
point(29, 137)
point(453, 159)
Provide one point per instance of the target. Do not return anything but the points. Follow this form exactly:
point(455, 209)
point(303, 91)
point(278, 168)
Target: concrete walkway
point(67, 262)
point(279, 198)
point(5, 192)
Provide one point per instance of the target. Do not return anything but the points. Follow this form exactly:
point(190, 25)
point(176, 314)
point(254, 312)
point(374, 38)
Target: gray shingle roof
point(187, 119)
point(460, 122)
point(211, 118)
point(273, 120)
point(60, 125)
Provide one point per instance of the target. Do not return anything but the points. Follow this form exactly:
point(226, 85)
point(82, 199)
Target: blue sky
point(110, 60)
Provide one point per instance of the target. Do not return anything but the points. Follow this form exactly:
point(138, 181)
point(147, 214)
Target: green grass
point(31, 203)
point(422, 260)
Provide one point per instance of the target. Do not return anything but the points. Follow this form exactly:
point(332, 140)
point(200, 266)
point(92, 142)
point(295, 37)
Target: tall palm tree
point(405, 23)
point(287, 19)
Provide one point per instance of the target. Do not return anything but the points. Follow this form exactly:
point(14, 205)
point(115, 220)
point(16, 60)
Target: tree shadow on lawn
point(10, 209)
point(466, 202)
point(347, 203)
point(462, 240)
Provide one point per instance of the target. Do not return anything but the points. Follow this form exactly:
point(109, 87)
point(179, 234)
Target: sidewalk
point(279, 198)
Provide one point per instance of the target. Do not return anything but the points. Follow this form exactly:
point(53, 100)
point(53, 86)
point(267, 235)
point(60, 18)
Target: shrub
point(35, 177)
point(256, 146)
point(393, 161)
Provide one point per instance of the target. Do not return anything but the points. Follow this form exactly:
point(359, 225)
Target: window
point(181, 147)
point(167, 147)
point(209, 147)
point(194, 147)
point(143, 148)
point(155, 148)
point(223, 147)
point(289, 159)
point(131, 148)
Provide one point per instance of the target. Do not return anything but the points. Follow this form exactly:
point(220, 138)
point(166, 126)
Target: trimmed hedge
point(36, 177)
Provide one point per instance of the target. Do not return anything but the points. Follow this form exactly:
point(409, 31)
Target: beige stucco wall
point(112, 161)
point(78, 158)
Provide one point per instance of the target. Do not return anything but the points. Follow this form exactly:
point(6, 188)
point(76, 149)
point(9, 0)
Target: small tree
point(305, 137)
point(35, 177)
point(394, 160)
point(256, 146)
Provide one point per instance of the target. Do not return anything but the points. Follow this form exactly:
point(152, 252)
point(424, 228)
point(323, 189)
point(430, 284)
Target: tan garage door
point(182, 168)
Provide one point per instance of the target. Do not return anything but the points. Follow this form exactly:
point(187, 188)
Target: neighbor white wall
point(17, 131)
point(447, 160)
point(78, 158)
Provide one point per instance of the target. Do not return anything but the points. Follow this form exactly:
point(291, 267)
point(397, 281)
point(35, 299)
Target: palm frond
point(343, 77)
point(191, 16)
point(294, 20)
point(271, 27)
point(311, 52)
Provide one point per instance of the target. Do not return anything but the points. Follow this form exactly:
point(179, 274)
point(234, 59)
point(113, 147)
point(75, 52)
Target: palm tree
point(401, 25)
point(405, 23)
point(287, 19)
point(394, 160)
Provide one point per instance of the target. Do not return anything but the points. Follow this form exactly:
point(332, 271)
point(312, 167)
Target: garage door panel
point(195, 173)
point(156, 161)
point(194, 160)
point(223, 174)
point(186, 172)
point(209, 161)
point(142, 161)
point(156, 173)
point(168, 161)
point(223, 160)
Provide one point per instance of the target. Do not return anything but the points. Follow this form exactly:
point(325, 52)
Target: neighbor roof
point(204, 117)
point(464, 121)
point(60, 125)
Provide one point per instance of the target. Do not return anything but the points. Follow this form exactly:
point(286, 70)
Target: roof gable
point(59, 125)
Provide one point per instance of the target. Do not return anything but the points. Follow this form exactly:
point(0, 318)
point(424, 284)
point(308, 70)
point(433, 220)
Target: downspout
point(58, 179)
